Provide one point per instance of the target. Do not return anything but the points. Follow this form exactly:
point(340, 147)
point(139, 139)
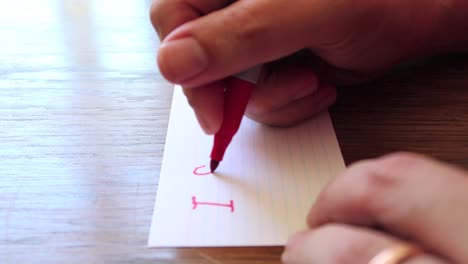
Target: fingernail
point(308, 89)
point(181, 59)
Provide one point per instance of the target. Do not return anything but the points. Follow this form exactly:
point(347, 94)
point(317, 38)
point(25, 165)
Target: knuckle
point(351, 243)
point(381, 177)
point(399, 161)
point(154, 11)
point(155, 17)
point(251, 30)
point(325, 194)
point(372, 184)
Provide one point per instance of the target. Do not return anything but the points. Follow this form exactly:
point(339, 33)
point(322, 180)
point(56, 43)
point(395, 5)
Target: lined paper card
point(259, 195)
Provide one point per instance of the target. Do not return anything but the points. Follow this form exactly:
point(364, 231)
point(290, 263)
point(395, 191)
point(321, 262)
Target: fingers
point(409, 195)
point(337, 244)
point(235, 38)
point(166, 15)
point(280, 86)
point(207, 102)
point(294, 111)
point(287, 96)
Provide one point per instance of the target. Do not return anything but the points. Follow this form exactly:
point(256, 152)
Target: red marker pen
point(236, 97)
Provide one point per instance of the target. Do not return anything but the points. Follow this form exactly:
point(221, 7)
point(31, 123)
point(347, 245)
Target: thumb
point(234, 38)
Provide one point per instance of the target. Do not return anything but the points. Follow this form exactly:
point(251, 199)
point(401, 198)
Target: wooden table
point(83, 118)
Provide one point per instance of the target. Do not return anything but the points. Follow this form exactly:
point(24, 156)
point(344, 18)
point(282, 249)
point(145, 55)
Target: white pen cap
point(250, 75)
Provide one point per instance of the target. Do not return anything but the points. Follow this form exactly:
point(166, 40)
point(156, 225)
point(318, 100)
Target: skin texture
point(374, 203)
point(306, 49)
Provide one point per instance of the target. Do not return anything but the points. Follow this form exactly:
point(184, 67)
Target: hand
point(339, 41)
point(376, 203)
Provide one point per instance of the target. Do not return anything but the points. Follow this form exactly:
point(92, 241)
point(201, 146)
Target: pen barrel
point(220, 145)
point(236, 98)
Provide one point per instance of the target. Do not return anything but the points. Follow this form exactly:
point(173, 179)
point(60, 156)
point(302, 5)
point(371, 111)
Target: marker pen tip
point(213, 165)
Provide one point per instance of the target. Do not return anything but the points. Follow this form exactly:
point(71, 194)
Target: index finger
point(409, 195)
point(167, 15)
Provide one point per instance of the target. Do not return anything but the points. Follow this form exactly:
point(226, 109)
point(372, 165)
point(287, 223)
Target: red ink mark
point(195, 204)
point(195, 171)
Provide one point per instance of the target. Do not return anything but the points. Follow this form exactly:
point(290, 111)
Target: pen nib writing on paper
point(213, 165)
point(237, 94)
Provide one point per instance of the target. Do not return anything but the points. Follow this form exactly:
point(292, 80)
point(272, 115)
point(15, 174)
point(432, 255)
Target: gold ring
point(396, 254)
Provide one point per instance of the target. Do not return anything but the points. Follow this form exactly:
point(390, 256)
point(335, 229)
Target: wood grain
point(83, 119)
point(422, 109)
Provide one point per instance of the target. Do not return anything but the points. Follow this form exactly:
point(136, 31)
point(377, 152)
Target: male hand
point(302, 41)
point(377, 203)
